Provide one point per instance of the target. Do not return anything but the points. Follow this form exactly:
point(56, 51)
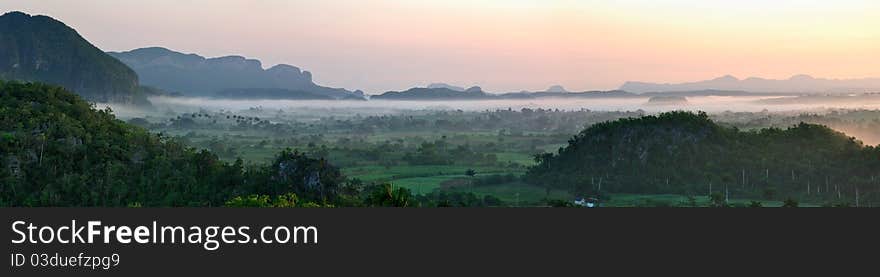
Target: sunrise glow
point(501, 45)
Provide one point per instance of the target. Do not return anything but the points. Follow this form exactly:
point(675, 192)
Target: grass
point(518, 194)
point(553, 148)
point(458, 137)
point(519, 158)
point(376, 173)
point(676, 200)
point(422, 185)
point(426, 178)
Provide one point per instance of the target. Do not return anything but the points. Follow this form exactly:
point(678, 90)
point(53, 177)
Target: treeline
point(687, 153)
point(512, 122)
point(504, 121)
point(860, 123)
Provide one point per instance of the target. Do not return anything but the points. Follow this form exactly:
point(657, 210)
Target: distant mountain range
point(554, 88)
point(795, 84)
point(194, 75)
point(435, 93)
point(569, 94)
point(280, 93)
point(722, 86)
point(42, 49)
point(446, 86)
point(557, 89)
point(439, 91)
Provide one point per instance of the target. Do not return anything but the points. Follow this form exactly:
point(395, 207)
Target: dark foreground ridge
point(57, 150)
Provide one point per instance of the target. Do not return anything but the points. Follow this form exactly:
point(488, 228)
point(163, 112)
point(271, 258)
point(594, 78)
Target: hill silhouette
point(194, 75)
point(40, 48)
point(437, 93)
point(795, 84)
point(683, 152)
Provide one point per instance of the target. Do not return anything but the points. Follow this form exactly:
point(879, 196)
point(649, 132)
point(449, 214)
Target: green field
point(398, 173)
point(675, 200)
point(518, 158)
point(519, 194)
point(422, 185)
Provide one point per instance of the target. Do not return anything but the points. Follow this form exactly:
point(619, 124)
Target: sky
point(500, 45)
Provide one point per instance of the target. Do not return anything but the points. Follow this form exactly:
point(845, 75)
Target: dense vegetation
point(57, 150)
point(446, 92)
point(860, 123)
point(39, 48)
point(686, 153)
point(433, 94)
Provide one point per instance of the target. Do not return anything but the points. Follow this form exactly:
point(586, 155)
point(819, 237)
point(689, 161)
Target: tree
point(691, 201)
point(470, 172)
point(716, 199)
point(385, 195)
point(287, 200)
point(769, 193)
point(790, 203)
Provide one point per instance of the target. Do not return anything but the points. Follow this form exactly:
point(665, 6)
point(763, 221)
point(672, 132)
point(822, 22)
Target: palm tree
point(471, 173)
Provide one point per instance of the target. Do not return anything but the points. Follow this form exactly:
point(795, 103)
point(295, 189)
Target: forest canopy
point(687, 153)
point(57, 150)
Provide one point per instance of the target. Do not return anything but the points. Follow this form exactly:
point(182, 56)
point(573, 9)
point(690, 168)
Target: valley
point(430, 150)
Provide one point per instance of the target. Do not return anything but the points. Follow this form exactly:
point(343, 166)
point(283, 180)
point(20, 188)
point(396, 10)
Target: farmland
point(428, 151)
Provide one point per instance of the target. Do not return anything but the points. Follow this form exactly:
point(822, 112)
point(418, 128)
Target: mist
point(709, 104)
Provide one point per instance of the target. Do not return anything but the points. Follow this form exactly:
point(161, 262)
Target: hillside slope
point(39, 48)
point(436, 93)
point(194, 75)
point(682, 152)
point(795, 84)
point(57, 150)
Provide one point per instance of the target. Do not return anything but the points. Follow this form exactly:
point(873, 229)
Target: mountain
point(712, 92)
point(194, 75)
point(477, 93)
point(683, 152)
point(446, 86)
point(40, 48)
point(472, 93)
point(556, 88)
point(583, 94)
point(668, 100)
point(795, 84)
point(280, 93)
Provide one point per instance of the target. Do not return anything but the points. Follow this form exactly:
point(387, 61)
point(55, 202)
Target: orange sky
point(501, 45)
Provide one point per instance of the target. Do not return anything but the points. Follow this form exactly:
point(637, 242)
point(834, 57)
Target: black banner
point(389, 241)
